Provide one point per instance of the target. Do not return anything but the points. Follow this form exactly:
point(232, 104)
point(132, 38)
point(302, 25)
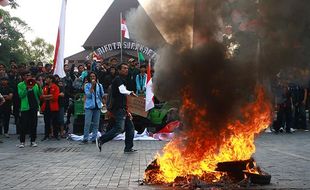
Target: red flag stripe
point(56, 50)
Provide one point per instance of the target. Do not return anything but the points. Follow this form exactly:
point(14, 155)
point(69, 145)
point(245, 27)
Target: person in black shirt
point(61, 103)
point(123, 119)
point(109, 78)
point(131, 76)
point(5, 108)
point(14, 79)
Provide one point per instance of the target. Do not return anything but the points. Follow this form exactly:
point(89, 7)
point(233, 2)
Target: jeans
point(122, 122)
point(92, 118)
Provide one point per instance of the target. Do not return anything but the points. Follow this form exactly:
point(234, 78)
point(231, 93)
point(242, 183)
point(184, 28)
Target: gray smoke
point(273, 37)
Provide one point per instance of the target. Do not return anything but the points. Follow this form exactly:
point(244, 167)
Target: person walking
point(29, 93)
point(123, 119)
point(93, 103)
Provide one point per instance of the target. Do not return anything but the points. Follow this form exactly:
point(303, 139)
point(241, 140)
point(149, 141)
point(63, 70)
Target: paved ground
point(67, 165)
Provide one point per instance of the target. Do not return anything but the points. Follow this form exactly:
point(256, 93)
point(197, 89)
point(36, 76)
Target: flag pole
point(121, 18)
point(138, 57)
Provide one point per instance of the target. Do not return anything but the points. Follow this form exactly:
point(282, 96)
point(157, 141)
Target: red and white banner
point(124, 29)
point(60, 43)
point(4, 2)
point(149, 95)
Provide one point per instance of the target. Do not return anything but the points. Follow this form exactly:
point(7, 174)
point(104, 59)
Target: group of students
point(40, 90)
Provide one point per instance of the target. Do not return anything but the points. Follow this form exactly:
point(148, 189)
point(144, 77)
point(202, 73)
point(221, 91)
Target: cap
point(131, 60)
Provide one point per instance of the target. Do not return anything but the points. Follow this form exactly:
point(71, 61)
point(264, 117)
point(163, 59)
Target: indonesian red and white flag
point(124, 29)
point(4, 2)
point(149, 98)
point(96, 57)
point(60, 43)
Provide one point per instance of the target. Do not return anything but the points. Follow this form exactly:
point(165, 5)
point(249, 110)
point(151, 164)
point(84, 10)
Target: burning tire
point(260, 179)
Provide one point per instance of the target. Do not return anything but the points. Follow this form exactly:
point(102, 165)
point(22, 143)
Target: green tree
point(12, 31)
point(13, 44)
point(39, 50)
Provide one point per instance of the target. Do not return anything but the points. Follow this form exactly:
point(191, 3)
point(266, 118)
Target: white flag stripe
point(124, 29)
point(149, 95)
point(60, 46)
point(149, 102)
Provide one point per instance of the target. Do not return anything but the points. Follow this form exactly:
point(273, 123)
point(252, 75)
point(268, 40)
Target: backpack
point(110, 99)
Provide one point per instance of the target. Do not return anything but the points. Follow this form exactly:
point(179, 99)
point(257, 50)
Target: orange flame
point(191, 153)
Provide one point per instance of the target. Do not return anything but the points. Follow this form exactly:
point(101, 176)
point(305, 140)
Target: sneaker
point(33, 144)
point(22, 145)
point(130, 151)
point(281, 130)
point(6, 135)
point(98, 144)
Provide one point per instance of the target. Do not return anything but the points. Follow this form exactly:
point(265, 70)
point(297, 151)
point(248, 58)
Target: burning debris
point(209, 158)
point(229, 175)
point(225, 99)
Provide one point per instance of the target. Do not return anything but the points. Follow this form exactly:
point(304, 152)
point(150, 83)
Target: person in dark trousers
point(50, 107)
point(29, 93)
point(132, 74)
point(299, 97)
point(14, 79)
point(283, 106)
point(2, 101)
point(61, 103)
point(123, 119)
point(5, 108)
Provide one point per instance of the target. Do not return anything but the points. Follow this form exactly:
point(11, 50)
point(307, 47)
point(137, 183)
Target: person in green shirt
point(29, 93)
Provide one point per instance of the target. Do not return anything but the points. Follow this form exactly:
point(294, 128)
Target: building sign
point(136, 105)
point(127, 46)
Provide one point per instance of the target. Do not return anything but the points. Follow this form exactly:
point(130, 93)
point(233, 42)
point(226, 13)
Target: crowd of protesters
point(291, 101)
point(28, 89)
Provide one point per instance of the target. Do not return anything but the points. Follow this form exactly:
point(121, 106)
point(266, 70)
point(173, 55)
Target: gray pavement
point(67, 165)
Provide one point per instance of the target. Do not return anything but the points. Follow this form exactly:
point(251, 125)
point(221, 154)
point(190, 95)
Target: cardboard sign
point(136, 105)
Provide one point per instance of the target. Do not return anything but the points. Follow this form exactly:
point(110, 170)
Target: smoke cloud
point(271, 36)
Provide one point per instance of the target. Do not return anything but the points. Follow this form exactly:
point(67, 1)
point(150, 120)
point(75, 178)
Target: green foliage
point(39, 50)
point(15, 46)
